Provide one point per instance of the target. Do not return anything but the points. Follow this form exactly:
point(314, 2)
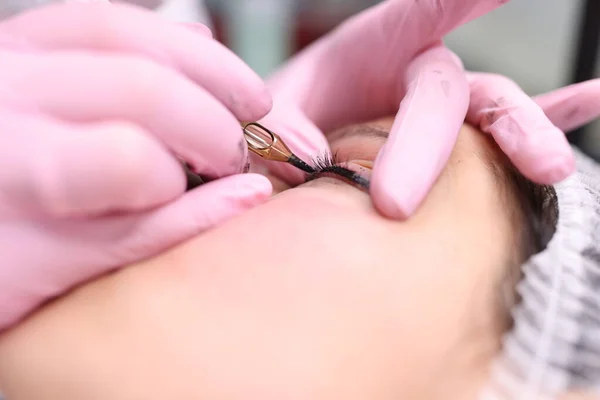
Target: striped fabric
point(554, 346)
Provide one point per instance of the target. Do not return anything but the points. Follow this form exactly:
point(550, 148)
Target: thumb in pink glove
point(389, 59)
point(98, 104)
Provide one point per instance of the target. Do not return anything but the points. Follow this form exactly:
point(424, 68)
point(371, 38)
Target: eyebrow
point(368, 131)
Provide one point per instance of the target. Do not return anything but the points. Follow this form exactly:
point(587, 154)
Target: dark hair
point(538, 212)
point(533, 211)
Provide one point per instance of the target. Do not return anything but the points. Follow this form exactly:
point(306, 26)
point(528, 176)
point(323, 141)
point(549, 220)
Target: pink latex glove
point(95, 102)
point(390, 59)
point(567, 108)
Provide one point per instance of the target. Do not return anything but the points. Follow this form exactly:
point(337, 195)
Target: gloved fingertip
point(243, 186)
point(260, 105)
point(215, 202)
point(540, 151)
point(456, 59)
point(554, 171)
point(252, 189)
point(392, 202)
point(264, 103)
point(198, 28)
point(398, 208)
point(198, 210)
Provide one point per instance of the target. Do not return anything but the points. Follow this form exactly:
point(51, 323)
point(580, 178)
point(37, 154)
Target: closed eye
point(329, 166)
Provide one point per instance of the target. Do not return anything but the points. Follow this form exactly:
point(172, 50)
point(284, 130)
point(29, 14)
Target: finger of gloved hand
point(127, 29)
point(48, 168)
point(475, 10)
point(425, 22)
point(573, 106)
point(198, 28)
point(95, 247)
point(423, 135)
point(353, 74)
point(303, 138)
point(92, 87)
point(538, 149)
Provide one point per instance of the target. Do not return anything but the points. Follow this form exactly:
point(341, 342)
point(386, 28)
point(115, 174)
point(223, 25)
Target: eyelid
point(356, 148)
point(352, 161)
point(363, 163)
point(331, 166)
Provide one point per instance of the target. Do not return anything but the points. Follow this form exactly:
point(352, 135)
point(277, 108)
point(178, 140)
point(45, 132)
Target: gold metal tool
point(262, 142)
point(267, 145)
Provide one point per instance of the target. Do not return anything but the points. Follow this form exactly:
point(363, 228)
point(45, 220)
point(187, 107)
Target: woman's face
point(312, 295)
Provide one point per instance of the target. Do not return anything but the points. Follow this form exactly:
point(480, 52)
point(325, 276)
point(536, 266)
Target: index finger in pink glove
point(572, 106)
point(89, 87)
point(423, 135)
point(424, 22)
point(127, 29)
point(519, 126)
point(43, 259)
point(49, 168)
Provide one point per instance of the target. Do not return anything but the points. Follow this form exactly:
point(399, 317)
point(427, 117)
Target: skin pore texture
point(312, 295)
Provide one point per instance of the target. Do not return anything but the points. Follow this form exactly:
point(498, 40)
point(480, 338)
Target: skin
point(312, 295)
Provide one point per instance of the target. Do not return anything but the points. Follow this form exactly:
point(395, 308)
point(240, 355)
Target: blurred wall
point(529, 40)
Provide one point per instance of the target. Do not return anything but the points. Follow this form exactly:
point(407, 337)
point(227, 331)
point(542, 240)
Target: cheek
point(359, 295)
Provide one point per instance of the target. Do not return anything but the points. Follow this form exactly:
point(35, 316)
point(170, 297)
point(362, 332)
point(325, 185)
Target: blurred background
point(541, 44)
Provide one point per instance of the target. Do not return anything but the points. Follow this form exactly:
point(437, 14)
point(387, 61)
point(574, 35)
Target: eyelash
point(329, 163)
point(325, 161)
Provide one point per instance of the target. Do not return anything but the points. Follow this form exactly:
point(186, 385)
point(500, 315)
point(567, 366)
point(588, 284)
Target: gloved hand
point(390, 59)
point(96, 102)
